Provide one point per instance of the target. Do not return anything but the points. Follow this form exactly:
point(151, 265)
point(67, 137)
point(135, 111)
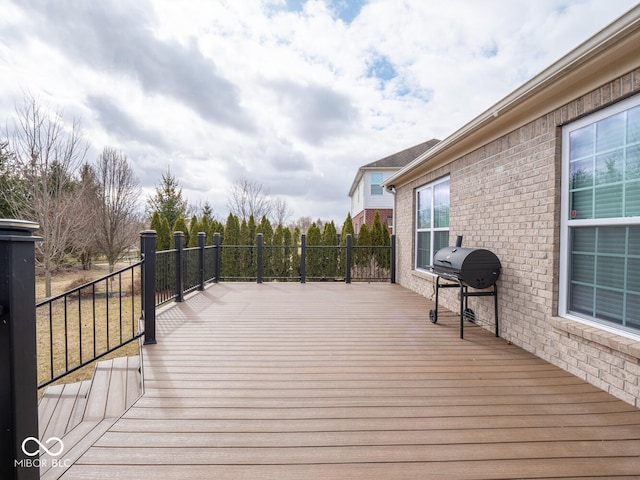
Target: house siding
point(505, 197)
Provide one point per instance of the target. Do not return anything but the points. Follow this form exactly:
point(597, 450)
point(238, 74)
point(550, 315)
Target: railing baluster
point(178, 238)
point(303, 258)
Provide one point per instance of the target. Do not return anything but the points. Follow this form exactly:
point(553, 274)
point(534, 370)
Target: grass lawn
point(92, 326)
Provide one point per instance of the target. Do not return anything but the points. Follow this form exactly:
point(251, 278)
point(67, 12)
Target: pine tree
point(330, 260)
point(347, 229)
point(294, 242)
point(266, 230)
point(277, 253)
point(181, 226)
point(164, 236)
point(381, 242)
point(231, 239)
point(194, 229)
point(314, 253)
point(363, 251)
point(167, 200)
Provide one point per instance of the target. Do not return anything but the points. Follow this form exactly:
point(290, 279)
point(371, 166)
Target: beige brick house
point(549, 180)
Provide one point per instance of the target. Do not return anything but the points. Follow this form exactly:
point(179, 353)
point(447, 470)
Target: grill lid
point(475, 267)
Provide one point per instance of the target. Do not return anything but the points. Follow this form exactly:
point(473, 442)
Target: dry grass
point(96, 320)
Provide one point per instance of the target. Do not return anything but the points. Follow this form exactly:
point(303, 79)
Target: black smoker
point(467, 267)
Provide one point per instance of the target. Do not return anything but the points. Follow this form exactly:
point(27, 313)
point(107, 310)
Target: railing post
point(201, 240)
point(260, 242)
point(18, 360)
point(178, 240)
point(347, 267)
point(216, 257)
point(148, 240)
point(393, 258)
point(303, 258)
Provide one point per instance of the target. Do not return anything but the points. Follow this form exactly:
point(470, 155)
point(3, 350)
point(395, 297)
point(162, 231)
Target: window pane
point(583, 240)
point(424, 208)
point(633, 125)
point(610, 272)
point(441, 205)
point(582, 268)
point(612, 240)
point(632, 199)
point(610, 132)
point(423, 255)
point(581, 299)
point(633, 276)
point(609, 305)
point(608, 202)
point(581, 204)
point(582, 173)
point(609, 167)
point(633, 311)
point(440, 240)
point(634, 242)
point(581, 142)
point(632, 162)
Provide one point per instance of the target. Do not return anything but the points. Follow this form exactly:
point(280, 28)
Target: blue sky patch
point(382, 69)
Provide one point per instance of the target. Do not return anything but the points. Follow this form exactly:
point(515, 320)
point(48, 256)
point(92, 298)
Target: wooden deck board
point(328, 381)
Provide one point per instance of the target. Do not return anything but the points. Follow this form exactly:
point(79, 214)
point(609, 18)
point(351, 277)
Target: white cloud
point(294, 94)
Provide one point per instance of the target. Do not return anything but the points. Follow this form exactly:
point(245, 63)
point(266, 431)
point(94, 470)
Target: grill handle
point(459, 241)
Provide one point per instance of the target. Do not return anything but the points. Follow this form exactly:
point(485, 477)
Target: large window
point(600, 261)
point(432, 221)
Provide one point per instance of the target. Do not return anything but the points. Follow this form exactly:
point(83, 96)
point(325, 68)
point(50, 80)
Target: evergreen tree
point(278, 251)
point(314, 253)
point(230, 241)
point(181, 226)
point(363, 251)
point(294, 242)
point(167, 200)
point(194, 229)
point(164, 236)
point(266, 230)
point(330, 260)
point(347, 229)
point(381, 241)
point(204, 227)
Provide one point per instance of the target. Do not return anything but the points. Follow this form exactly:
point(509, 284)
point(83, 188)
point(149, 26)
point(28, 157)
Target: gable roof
point(394, 161)
point(609, 54)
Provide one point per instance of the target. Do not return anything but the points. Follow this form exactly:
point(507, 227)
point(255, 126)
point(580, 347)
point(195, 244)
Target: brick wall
point(505, 197)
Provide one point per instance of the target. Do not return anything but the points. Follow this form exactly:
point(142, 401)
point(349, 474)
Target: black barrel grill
point(466, 267)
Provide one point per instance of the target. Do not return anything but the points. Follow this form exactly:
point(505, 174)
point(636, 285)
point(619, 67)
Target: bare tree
point(118, 217)
point(47, 154)
point(249, 198)
point(281, 211)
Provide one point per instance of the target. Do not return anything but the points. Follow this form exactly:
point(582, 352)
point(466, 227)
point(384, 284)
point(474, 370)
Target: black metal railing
point(88, 322)
point(73, 329)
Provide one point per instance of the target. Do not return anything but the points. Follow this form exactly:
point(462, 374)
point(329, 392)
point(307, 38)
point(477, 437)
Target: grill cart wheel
point(433, 316)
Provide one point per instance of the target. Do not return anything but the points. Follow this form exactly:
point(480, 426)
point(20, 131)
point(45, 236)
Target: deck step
point(78, 413)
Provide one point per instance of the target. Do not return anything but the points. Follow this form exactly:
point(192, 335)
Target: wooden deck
point(334, 381)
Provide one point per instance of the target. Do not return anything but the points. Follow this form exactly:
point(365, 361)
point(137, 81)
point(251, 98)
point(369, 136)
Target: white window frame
point(566, 223)
point(432, 229)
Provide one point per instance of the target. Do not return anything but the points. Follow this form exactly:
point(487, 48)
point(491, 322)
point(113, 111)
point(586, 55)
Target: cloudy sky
point(294, 94)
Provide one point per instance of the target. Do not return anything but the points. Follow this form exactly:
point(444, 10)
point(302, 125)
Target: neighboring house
point(366, 193)
point(549, 180)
